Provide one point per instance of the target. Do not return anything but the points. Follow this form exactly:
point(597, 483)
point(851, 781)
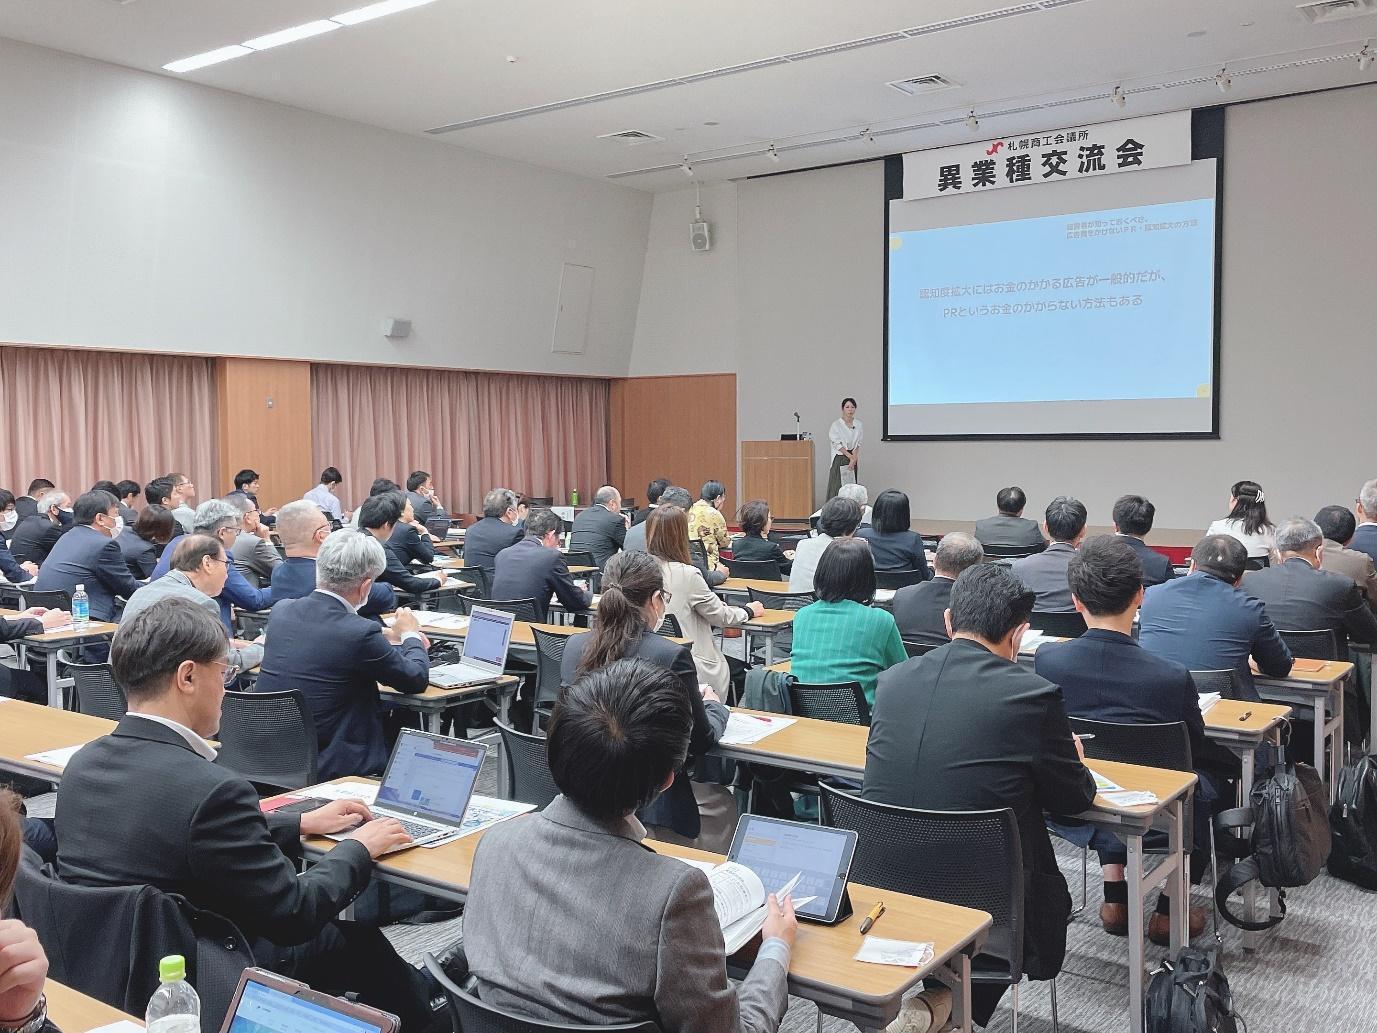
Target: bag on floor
point(1190, 996)
point(1353, 822)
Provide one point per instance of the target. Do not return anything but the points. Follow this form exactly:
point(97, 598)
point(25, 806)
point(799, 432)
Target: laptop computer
point(428, 783)
point(268, 1003)
point(485, 651)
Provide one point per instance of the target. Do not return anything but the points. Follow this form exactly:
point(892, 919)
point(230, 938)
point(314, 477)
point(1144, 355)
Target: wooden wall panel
point(683, 428)
point(265, 425)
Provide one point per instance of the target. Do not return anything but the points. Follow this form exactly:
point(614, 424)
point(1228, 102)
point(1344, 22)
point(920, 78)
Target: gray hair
point(297, 520)
point(1367, 498)
point(498, 501)
point(1298, 535)
point(606, 494)
point(855, 492)
point(347, 559)
point(214, 514)
point(50, 500)
point(956, 552)
point(677, 497)
point(240, 502)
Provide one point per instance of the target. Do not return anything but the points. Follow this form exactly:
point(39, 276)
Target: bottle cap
point(172, 968)
point(81, 588)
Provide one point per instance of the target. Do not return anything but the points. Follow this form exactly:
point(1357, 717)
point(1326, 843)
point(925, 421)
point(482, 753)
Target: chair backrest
point(1011, 552)
point(697, 553)
point(756, 570)
point(669, 627)
point(96, 692)
point(11, 598)
point(521, 609)
point(269, 738)
point(1313, 645)
point(843, 702)
point(579, 558)
point(1066, 624)
point(969, 858)
point(470, 1015)
point(913, 648)
point(251, 623)
point(897, 578)
point(479, 578)
point(540, 500)
point(1165, 745)
point(528, 768)
point(1258, 563)
point(48, 600)
point(1228, 683)
point(780, 600)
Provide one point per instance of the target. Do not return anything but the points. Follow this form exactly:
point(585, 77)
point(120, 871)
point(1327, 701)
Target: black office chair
point(522, 609)
point(1228, 683)
point(669, 627)
point(969, 858)
point(1011, 552)
point(540, 500)
point(471, 1015)
point(1312, 645)
point(528, 767)
point(48, 600)
point(1258, 563)
point(913, 648)
point(579, 558)
point(843, 702)
point(755, 570)
point(1064, 624)
point(698, 554)
point(894, 579)
point(780, 600)
point(269, 738)
point(95, 691)
point(549, 654)
point(479, 578)
point(251, 623)
point(11, 598)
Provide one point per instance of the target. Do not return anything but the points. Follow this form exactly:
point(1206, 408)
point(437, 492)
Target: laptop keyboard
point(414, 829)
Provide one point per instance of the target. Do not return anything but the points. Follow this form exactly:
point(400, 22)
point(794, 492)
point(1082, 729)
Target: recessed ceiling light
point(712, 123)
point(210, 57)
point(1196, 34)
point(378, 10)
point(296, 32)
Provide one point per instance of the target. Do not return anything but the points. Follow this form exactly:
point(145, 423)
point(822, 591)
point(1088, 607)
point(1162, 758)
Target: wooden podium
point(781, 472)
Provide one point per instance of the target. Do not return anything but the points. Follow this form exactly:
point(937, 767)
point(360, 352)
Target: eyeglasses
point(666, 595)
point(231, 669)
point(222, 559)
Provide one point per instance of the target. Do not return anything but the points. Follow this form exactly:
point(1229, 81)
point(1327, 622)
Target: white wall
point(145, 212)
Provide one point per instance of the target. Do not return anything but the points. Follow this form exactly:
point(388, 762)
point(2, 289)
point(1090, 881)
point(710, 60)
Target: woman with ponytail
point(1247, 520)
point(632, 604)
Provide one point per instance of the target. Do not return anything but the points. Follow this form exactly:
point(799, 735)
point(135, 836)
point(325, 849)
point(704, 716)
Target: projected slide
point(1095, 321)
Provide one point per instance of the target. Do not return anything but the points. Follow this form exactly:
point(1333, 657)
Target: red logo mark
point(994, 147)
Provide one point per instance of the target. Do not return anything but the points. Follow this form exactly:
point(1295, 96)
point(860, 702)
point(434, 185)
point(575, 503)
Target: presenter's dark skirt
point(834, 475)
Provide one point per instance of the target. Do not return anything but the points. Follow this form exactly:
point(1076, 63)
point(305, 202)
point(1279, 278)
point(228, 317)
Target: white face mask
point(119, 526)
point(8, 521)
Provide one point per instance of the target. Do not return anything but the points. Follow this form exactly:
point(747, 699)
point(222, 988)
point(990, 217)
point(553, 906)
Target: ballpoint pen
point(873, 917)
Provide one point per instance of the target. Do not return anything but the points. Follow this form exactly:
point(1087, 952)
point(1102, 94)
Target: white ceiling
point(448, 63)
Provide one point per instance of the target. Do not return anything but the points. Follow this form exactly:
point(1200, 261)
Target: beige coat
point(699, 610)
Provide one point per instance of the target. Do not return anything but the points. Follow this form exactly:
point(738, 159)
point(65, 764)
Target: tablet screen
point(778, 850)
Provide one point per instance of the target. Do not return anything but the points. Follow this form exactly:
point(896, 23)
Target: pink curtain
point(471, 431)
point(76, 416)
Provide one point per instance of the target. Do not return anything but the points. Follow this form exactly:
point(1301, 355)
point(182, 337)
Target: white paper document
point(56, 758)
point(1118, 795)
point(1032, 639)
point(884, 595)
point(905, 953)
point(437, 619)
point(740, 899)
point(744, 729)
point(1208, 699)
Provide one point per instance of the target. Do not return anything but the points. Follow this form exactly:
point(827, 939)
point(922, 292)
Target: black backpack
point(1353, 821)
point(1191, 996)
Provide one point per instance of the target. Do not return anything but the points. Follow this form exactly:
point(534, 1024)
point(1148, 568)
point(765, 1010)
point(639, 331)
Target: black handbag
point(1290, 839)
point(1353, 821)
point(1190, 996)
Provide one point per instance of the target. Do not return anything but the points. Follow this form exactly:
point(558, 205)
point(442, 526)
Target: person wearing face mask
point(34, 536)
point(420, 489)
point(9, 516)
point(223, 521)
point(10, 568)
point(88, 555)
point(301, 527)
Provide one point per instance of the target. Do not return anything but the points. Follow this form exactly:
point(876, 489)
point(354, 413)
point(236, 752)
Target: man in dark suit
point(534, 568)
point(1106, 676)
point(1045, 572)
point(301, 527)
point(1365, 510)
point(920, 610)
point(145, 805)
point(17, 682)
point(966, 728)
point(1009, 528)
point(34, 536)
point(1338, 526)
point(88, 555)
point(498, 530)
point(1133, 516)
point(420, 489)
point(320, 645)
point(27, 505)
point(14, 572)
point(1204, 622)
point(653, 491)
point(380, 515)
point(1300, 596)
point(224, 520)
point(600, 529)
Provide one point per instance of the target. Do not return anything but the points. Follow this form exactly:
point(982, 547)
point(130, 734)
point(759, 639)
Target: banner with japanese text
point(1149, 142)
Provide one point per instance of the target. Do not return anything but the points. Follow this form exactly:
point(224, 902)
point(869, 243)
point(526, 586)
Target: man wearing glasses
point(301, 528)
point(183, 493)
point(198, 573)
point(253, 554)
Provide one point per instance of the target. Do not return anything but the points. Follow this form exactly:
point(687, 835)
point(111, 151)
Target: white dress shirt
point(326, 500)
point(844, 438)
point(193, 740)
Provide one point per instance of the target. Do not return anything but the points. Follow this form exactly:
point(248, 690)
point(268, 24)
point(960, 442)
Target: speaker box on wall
point(700, 236)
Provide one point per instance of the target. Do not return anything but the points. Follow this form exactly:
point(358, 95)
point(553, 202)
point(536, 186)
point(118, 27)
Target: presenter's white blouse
point(844, 437)
point(1260, 544)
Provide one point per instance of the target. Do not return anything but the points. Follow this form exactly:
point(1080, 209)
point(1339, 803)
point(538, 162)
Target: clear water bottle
point(81, 606)
point(174, 1006)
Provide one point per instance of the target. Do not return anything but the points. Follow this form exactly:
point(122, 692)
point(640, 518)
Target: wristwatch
point(33, 1022)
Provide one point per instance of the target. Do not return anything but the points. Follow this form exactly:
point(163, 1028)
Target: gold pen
point(873, 917)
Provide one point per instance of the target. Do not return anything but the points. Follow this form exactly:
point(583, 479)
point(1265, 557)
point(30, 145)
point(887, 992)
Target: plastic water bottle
point(81, 606)
point(574, 497)
point(174, 1006)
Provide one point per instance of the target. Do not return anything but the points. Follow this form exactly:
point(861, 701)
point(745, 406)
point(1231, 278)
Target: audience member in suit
point(630, 607)
point(534, 568)
point(893, 542)
point(1338, 526)
point(146, 805)
point(920, 610)
point(707, 526)
point(616, 933)
point(838, 518)
point(1205, 622)
point(653, 492)
point(326, 495)
point(225, 521)
point(966, 728)
point(420, 489)
point(35, 536)
point(87, 555)
point(183, 494)
point(408, 544)
point(18, 682)
point(1045, 572)
point(11, 569)
point(1106, 676)
point(755, 544)
point(253, 554)
point(126, 494)
point(322, 646)
point(1247, 521)
point(158, 492)
point(246, 485)
point(23, 963)
point(199, 570)
point(1010, 529)
point(27, 504)
point(600, 529)
point(1133, 516)
point(498, 530)
point(1300, 596)
point(301, 527)
point(380, 516)
point(1365, 511)
point(8, 517)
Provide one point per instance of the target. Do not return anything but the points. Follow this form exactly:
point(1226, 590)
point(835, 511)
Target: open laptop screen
point(485, 641)
point(431, 776)
point(265, 1009)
